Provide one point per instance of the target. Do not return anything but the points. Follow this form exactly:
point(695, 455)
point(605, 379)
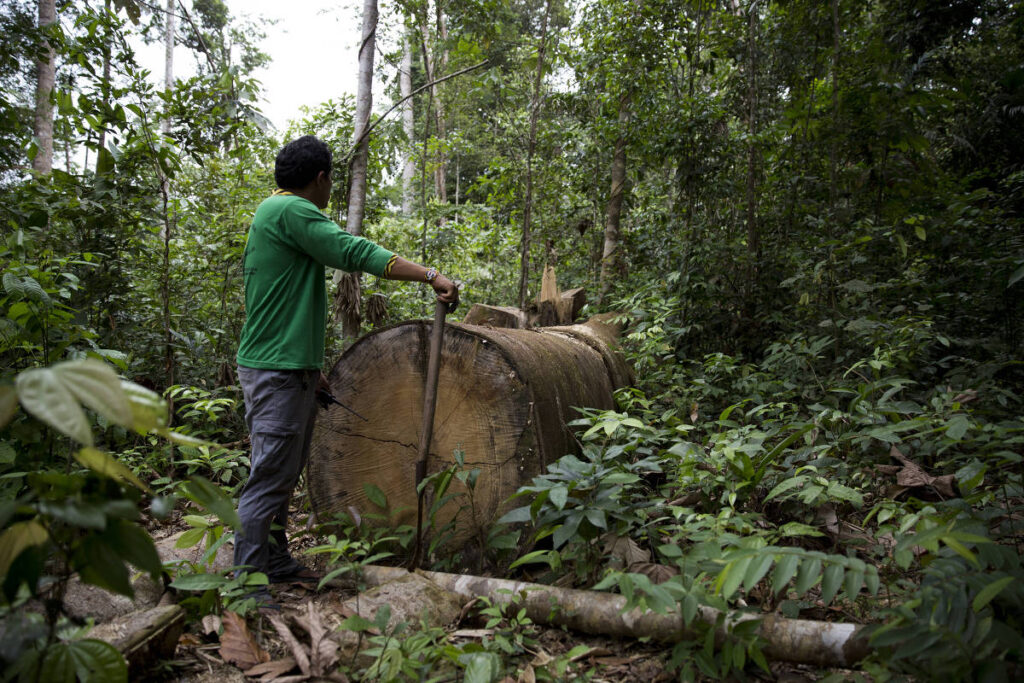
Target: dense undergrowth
point(875, 480)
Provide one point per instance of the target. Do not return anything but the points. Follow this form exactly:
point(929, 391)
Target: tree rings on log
point(504, 399)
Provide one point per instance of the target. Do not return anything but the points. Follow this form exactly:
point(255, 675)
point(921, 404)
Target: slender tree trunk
point(440, 64)
point(46, 66)
point(170, 217)
point(613, 211)
point(168, 58)
point(364, 103)
point(753, 238)
point(408, 125)
point(104, 85)
point(531, 145)
point(832, 151)
point(349, 288)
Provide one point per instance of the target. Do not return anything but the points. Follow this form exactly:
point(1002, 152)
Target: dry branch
point(794, 640)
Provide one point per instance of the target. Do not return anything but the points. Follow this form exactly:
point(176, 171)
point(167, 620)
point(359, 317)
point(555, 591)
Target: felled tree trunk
point(504, 398)
point(793, 640)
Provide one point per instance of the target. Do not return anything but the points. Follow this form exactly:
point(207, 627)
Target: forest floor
point(208, 650)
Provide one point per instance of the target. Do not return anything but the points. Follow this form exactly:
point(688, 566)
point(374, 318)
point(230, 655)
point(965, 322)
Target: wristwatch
point(430, 275)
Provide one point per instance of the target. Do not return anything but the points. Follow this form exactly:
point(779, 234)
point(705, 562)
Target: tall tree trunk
point(46, 67)
point(440, 65)
point(753, 238)
point(349, 290)
point(104, 85)
point(168, 58)
point(832, 151)
point(613, 211)
point(434, 63)
point(408, 124)
point(531, 145)
point(169, 213)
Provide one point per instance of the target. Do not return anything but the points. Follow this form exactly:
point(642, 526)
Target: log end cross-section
point(504, 398)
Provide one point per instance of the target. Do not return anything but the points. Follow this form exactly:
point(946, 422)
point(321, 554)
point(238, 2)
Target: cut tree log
point(803, 641)
point(504, 397)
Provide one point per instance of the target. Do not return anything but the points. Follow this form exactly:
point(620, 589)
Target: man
point(282, 346)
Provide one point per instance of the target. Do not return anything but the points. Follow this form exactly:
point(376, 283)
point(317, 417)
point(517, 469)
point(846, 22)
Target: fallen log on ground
point(802, 641)
point(504, 397)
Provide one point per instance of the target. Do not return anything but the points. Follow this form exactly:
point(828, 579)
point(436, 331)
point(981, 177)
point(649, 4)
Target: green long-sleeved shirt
point(289, 244)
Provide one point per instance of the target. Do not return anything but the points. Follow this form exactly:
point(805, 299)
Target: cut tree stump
point(504, 398)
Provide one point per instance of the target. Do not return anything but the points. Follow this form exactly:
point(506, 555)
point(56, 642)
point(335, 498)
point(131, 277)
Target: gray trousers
point(280, 409)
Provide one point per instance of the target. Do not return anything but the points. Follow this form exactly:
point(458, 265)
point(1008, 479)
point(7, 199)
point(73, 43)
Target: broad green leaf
point(756, 571)
point(190, 538)
point(621, 478)
point(559, 495)
point(133, 544)
point(518, 515)
point(8, 403)
point(690, 606)
point(211, 497)
point(567, 530)
point(533, 557)
point(597, 518)
point(101, 565)
point(97, 387)
point(957, 427)
point(920, 232)
point(989, 592)
point(354, 623)
point(481, 667)
point(785, 569)
point(784, 486)
point(149, 411)
point(183, 439)
point(198, 582)
point(75, 512)
point(104, 463)
point(799, 529)
point(830, 582)
point(854, 582)
point(42, 394)
point(375, 495)
point(871, 579)
point(807, 575)
point(961, 550)
point(16, 538)
point(91, 661)
point(732, 576)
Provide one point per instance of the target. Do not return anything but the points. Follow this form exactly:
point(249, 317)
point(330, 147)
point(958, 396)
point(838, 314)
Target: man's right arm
point(408, 271)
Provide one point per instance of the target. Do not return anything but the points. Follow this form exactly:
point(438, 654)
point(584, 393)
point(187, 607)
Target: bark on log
point(144, 637)
point(504, 397)
point(803, 641)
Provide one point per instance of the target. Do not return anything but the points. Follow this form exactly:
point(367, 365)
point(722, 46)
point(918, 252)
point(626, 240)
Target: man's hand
point(446, 290)
point(322, 384)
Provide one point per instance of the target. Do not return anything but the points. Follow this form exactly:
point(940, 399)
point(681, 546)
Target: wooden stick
point(427, 422)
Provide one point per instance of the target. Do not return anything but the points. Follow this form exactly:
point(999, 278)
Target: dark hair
point(299, 162)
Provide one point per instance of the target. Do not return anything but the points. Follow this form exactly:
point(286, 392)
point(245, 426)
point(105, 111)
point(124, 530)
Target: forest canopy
point(806, 215)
